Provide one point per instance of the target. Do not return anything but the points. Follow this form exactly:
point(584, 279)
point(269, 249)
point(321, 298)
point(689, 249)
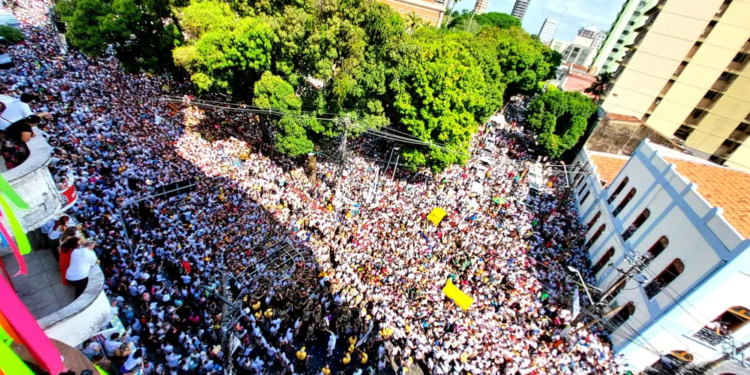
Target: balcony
point(707, 103)
point(692, 52)
point(666, 88)
point(656, 8)
point(739, 136)
point(720, 12)
point(721, 86)
point(34, 183)
point(679, 71)
point(706, 32)
point(61, 316)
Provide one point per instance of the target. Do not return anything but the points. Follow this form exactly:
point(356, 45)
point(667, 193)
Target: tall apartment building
point(599, 39)
point(547, 33)
point(481, 6)
point(685, 74)
point(621, 34)
point(520, 8)
point(431, 11)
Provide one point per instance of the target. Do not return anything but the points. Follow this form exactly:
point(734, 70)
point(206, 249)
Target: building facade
point(586, 36)
point(520, 8)
point(621, 34)
point(431, 11)
point(668, 257)
point(547, 33)
point(599, 39)
point(481, 6)
point(685, 74)
point(579, 55)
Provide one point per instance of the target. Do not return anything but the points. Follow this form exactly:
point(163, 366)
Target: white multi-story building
point(481, 6)
point(586, 36)
point(599, 39)
point(520, 8)
point(668, 238)
point(547, 33)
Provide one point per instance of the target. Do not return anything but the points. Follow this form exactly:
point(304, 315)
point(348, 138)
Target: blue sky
point(581, 13)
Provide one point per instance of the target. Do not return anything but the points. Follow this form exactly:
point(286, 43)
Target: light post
point(395, 166)
point(585, 287)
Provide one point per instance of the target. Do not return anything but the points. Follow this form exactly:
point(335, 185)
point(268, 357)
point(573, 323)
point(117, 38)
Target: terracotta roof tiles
point(721, 187)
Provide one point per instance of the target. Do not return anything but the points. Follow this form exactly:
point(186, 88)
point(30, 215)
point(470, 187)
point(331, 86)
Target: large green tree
point(559, 119)
point(441, 91)
point(135, 28)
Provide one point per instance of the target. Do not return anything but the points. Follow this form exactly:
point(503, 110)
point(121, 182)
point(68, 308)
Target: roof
point(721, 186)
point(623, 118)
point(608, 166)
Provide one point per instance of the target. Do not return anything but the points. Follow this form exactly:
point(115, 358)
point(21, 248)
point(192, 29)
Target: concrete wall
point(622, 138)
point(33, 182)
point(698, 235)
point(83, 318)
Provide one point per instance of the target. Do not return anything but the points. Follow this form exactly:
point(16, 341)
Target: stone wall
point(617, 134)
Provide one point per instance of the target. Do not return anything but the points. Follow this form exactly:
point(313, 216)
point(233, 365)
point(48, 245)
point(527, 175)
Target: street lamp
point(585, 287)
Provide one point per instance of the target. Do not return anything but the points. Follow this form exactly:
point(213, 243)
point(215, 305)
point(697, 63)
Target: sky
point(580, 13)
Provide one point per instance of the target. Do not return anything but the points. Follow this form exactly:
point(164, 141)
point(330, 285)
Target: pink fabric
point(16, 252)
point(29, 333)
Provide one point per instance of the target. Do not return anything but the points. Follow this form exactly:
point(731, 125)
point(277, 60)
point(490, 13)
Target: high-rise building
point(547, 33)
point(520, 8)
point(685, 74)
point(621, 34)
point(430, 11)
point(481, 6)
point(586, 36)
point(599, 39)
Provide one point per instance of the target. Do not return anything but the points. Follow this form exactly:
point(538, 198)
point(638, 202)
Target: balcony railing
point(709, 336)
point(692, 52)
point(720, 85)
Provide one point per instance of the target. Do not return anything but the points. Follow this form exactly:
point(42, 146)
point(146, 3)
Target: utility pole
point(342, 157)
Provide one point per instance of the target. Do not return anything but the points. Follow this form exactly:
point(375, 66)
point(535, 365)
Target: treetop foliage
point(559, 119)
point(322, 57)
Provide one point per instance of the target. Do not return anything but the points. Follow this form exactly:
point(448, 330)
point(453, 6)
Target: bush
point(10, 35)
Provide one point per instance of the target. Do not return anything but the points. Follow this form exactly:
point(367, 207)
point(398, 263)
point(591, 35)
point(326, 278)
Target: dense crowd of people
point(362, 292)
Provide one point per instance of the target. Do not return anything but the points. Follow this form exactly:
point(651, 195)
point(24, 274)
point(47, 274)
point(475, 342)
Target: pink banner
point(29, 333)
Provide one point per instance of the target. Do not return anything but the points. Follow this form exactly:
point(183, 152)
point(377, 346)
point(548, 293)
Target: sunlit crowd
point(321, 280)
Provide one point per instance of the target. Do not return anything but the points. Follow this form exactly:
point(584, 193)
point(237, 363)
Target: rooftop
point(721, 186)
point(622, 118)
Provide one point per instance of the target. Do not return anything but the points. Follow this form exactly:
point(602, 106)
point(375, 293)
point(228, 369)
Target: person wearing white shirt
point(81, 261)
point(17, 109)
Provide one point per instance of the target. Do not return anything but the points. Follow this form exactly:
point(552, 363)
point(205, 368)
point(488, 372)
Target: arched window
point(585, 196)
point(729, 322)
point(603, 260)
point(619, 285)
point(665, 278)
point(624, 202)
point(656, 249)
point(618, 190)
point(595, 237)
point(636, 224)
point(621, 317)
point(670, 363)
point(593, 221)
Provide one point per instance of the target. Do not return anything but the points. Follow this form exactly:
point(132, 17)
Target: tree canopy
point(559, 119)
point(135, 28)
point(491, 19)
point(327, 58)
